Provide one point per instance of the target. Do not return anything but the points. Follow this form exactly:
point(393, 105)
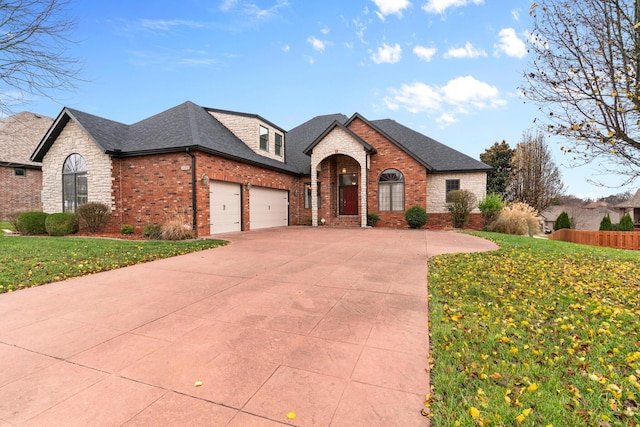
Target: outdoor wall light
point(247, 185)
point(205, 179)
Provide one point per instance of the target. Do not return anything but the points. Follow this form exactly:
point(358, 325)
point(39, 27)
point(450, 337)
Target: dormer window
point(264, 138)
point(278, 143)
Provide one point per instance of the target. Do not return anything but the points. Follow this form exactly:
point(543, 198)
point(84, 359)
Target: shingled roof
point(19, 135)
point(191, 127)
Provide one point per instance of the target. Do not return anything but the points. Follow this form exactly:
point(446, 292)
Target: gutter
point(194, 221)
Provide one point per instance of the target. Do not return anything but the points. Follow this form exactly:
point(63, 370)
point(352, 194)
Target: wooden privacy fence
point(609, 239)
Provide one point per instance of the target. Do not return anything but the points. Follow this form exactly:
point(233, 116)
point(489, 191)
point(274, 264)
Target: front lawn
point(538, 333)
point(32, 261)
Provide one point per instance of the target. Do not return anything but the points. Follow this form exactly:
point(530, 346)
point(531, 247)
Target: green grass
point(537, 333)
point(6, 225)
point(33, 261)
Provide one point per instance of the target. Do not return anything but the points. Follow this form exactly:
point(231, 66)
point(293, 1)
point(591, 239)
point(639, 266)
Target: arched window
point(74, 182)
point(391, 191)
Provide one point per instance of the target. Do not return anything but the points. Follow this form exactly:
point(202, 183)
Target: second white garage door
point(268, 207)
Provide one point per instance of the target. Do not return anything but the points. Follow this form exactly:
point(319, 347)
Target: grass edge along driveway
point(32, 261)
point(537, 333)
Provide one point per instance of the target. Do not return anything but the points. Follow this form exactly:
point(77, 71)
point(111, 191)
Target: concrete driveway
point(329, 324)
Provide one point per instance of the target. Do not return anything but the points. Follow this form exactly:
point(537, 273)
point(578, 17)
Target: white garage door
point(268, 207)
point(225, 207)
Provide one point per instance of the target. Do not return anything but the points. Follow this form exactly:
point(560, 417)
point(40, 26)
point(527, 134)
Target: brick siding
point(20, 193)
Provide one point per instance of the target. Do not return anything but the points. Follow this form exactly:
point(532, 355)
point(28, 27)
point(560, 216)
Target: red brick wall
point(441, 221)
point(151, 189)
point(389, 156)
point(20, 193)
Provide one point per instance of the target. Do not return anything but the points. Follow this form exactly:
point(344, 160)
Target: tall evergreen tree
point(499, 157)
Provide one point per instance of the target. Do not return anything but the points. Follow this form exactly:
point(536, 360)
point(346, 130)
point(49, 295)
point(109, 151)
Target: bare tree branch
point(34, 39)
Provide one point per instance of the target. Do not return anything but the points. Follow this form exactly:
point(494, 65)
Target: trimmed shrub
point(152, 231)
point(626, 223)
point(416, 217)
point(372, 219)
point(176, 229)
point(93, 215)
point(606, 224)
point(460, 204)
point(490, 207)
point(127, 229)
point(518, 218)
point(61, 224)
point(563, 221)
point(30, 223)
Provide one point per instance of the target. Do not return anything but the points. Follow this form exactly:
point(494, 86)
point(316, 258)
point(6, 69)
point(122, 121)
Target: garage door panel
point(269, 208)
point(225, 207)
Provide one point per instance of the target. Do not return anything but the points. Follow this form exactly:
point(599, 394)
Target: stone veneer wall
point(247, 129)
point(73, 140)
point(476, 182)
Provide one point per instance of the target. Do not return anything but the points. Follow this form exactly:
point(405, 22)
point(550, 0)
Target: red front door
point(349, 200)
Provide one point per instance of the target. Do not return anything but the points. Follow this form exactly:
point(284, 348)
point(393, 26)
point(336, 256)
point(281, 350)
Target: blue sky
point(447, 68)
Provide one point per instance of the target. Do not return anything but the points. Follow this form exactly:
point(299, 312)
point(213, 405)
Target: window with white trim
point(391, 191)
point(264, 138)
point(74, 183)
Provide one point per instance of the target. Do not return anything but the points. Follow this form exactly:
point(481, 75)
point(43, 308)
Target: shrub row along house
point(227, 171)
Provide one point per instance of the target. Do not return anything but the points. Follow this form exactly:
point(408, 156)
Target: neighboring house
point(20, 177)
point(632, 207)
point(582, 217)
point(231, 171)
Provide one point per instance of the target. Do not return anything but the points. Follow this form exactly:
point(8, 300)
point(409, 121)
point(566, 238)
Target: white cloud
point(391, 7)
point(228, 5)
point(440, 6)
point(516, 14)
point(360, 29)
point(255, 11)
point(468, 51)
point(462, 95)
point(387, 54)
point(325, 30)
point(286, 48)
point(317, 44)
point(168, 24)
point(510, 44)
point(424, 53)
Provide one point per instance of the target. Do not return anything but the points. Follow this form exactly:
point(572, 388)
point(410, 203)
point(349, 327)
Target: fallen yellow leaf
point(291, 415)
point(197, 384)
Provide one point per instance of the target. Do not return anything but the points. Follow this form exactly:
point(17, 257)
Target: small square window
point(451, 185)
point(264, 138)
point(20, 171)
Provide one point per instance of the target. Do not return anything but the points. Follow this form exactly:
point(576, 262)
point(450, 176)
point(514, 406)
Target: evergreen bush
point(372, 219)
point(416, 217)
point(127, 229)
point(152, 231)
point(605, 224)
point(31, 223)
point(61, 224)
point(460, 204)
point(626, 223)
point(562, 221)
point(93, 215)
point(490, 207)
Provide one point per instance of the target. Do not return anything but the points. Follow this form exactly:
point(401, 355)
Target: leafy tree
point(606, 224)
point(586, 78)
point(460, 205)
point(626, 223)
point(499, 157)
point(563, 221)
point(33, 45)
point(535, 179)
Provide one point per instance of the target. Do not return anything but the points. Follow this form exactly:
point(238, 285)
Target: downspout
point(194, 223)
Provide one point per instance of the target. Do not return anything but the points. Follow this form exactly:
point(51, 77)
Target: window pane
point(264, 138)
point(384, 197)
point(397, 196)
point(349, 179)
point(451, 185)
point(278, 143)
point(81, 189)
point(68, 193)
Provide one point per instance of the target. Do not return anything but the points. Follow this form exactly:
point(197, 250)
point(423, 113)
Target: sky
point(449, 69)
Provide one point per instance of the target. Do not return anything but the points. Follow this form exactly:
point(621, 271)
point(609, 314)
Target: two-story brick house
point(231, 171)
